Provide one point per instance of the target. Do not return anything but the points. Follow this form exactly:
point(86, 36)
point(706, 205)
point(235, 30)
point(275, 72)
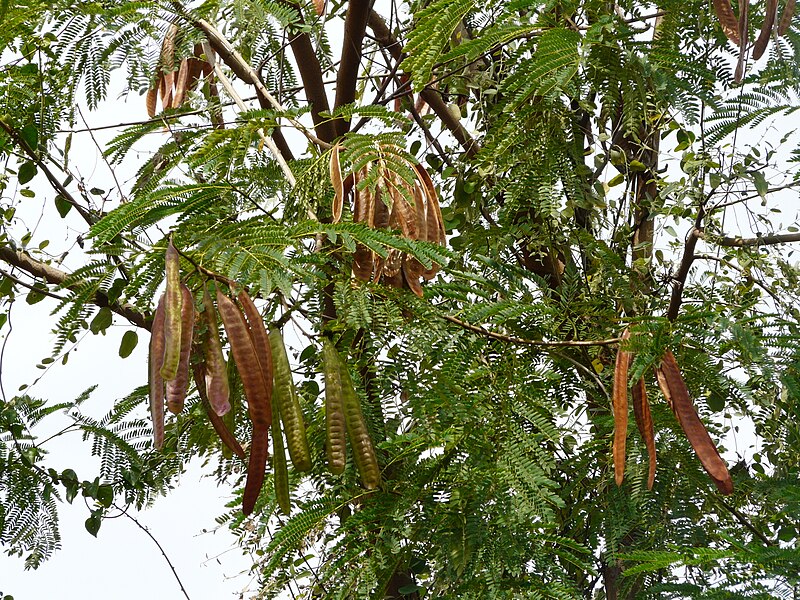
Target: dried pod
point(766, 29)
point(225, 434)
point(150, 101)
point(335, 428)
point(155, 381)
point(338, 185)
point(173, 302)
point(288, 405)
point(620, 405)
point(280, 472)
point(677, 394)
point(644, 421)
point(216, 378)
point(743, 39)
point(261, 344)
point(786, 17)
point(360, 440)
point(259, 453)
point(177, 388)
point(256, 387)
point(730, 26)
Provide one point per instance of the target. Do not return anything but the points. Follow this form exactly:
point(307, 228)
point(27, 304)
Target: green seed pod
point(335, 428)
point(280, 472)
point(286, 400)
point(360, 441)
point(173, 304)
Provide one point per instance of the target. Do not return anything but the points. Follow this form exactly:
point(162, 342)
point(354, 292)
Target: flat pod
point(261, 345)
point(173, 303)
point(177, 388)
point(360, 440)
point(288, 405)
point(155, 381)
point(677, 394)
point(620, 406)
point(335, 428)
point(644, 421)
point(216, 378)
point(225, 434)
point(280, 471)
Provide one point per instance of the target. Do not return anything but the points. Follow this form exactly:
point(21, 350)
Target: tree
point(595, 195)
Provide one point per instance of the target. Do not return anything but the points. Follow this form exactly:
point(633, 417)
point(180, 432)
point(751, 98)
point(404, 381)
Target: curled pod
point(335, 428)
point(225, 434)
point(173, 302)
point(360, 440)
point(155, 381)
point(280, 472)
point(177, 388)
point(675, 391)
point(216, 377)
point(287, 404)
point(257, 389)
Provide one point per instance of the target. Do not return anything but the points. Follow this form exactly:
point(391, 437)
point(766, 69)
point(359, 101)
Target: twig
point(761, 240)
point(155, 541)
point(25, 262)
point(526, 342)
point(743, 520)
point(30, 286)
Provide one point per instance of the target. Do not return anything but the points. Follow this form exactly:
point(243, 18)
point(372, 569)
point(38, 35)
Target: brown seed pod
point(173, 302)
point(335, 428)
point(261, 344)
point(786, 17)
point(177, 388)
point(744, 6)
point(730, 26)
point(257, 390)
point(259, 453)
point(286, 400)
point(677, 394)
point(216, 378)
point(225, 434)
point(620, 405)
point(156, 383)
point(766, 29)
point(338, 185)
point(644, 421)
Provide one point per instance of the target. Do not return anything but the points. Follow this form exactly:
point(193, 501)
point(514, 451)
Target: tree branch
point(51, 275)
point(761, 240)
point(431, 96)
point(355, 26)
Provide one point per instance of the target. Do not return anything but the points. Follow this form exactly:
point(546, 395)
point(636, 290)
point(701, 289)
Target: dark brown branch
point(522, 341)
point(743, 520)
point(53, 276)
point(761, 240)
point(434, 99)
point(355, 25)
point(679, 280)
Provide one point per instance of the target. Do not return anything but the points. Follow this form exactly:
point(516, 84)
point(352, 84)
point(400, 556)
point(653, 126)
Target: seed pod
point(360, 441)
point(225, 434)
point(280, 472)
point(172, 315)
point(261, 343)
point(177, 388)
point(335, 440)
point(338, 185)
point(256, 388)
point(259, 453)
point(677, 394)
point(155, 381)
point(786, 17)
point(235, 385)
point(644, 421)
point(216, 370)
point(620, 404)
point(287, 404)
point(761, 43)
point(730, 26)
